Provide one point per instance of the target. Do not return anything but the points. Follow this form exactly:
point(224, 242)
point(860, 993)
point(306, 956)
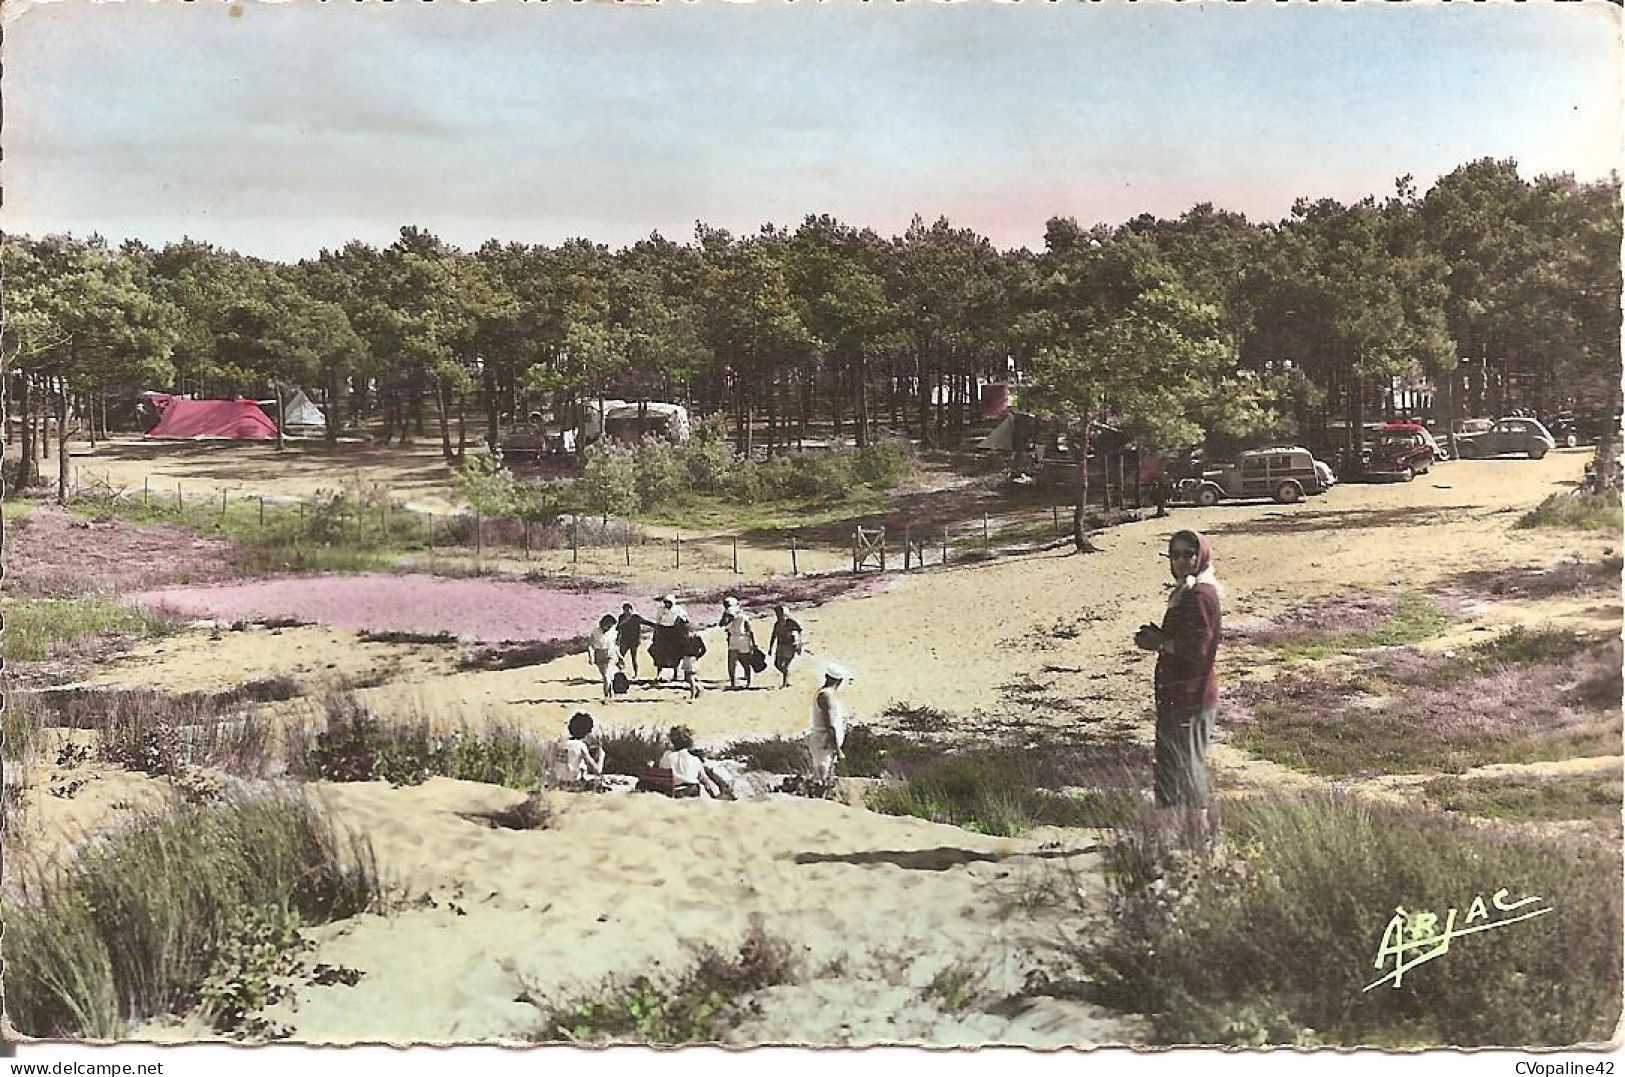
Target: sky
point(280, 129)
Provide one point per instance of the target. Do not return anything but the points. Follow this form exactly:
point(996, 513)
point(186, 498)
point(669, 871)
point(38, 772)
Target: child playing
point(689, 776)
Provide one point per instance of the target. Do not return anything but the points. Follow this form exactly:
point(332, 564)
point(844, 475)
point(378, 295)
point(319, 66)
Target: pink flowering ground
point(481, 609)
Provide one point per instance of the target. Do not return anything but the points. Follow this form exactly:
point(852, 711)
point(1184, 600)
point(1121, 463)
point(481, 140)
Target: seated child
point(575, 762)
point(688, 771)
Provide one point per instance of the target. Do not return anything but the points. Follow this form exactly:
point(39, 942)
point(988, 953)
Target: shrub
point(159, 734)
point(608, 485)
point(698, 1005)
point(1577, 510)
point(134, 926)
point(881, 466)
point(660, 474)
point(1269, 935)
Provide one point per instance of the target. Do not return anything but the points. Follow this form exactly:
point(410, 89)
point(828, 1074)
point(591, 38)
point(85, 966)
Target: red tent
point(181, 417)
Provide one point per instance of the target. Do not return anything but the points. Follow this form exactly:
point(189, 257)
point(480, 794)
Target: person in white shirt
point(688, 771)
point(601, 650)
point(828, 724)
point(575, 762)
point(741, 641)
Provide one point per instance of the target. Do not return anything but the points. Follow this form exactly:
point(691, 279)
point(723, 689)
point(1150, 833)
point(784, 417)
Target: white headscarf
point(1204, 567)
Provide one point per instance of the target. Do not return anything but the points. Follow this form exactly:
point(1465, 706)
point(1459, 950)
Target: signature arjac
point(1415, 938)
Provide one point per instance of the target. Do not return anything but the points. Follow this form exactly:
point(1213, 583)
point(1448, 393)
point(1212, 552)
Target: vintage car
point(1509, 435)
point(1285, 474)
point(1400, 451)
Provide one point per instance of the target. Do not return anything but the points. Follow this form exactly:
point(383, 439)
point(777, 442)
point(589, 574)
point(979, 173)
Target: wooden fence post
point(908, 548)
point(794, 571)
point(527, 539)
point(431, 533)
point(626, 544)
point(736, 554)
point(297, 534)
point(479, 540)
point(945, 545)
point(984, 533)
point(1055, 511)
point(262, 511)
point(575, 539)
point(144, 490)
point(222, 504)
point(679, 549)
point(178, 509)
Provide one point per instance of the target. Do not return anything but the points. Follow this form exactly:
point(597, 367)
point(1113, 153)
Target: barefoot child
point(601, 651)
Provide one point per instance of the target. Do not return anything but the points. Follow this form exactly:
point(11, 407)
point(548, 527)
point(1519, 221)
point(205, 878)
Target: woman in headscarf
point(666, 649)
point(1186, 686)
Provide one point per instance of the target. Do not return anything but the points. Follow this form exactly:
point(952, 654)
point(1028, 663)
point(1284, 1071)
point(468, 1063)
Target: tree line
point(1493, 287)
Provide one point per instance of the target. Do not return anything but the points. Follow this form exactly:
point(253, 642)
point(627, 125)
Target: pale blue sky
point(292, 127)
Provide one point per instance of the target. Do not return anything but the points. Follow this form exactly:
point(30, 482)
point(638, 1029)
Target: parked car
point(1567, 430)
point(1509, 435)
point(1397, 453)
point(1285, 474)
point(1473, 426)
point(1407, 426)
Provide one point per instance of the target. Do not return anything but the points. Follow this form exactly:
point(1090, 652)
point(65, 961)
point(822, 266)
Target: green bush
point(660, 474)
point(1578, 511)
point(138, 922)
point(1271, 935)
point(608, 485)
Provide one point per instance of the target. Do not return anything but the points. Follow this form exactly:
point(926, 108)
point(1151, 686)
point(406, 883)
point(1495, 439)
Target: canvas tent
point(234, 420)
point(299, 413)
point(619, 419)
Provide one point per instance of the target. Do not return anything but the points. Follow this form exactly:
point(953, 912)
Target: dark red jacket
point(1185, 678)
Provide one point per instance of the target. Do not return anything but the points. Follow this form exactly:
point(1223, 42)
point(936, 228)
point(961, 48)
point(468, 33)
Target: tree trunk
point(62, 442)
point(922, 396)
point(462, 423)
point(861, 407)
point(281, 415)
point(1080, 534)
point(443, 408)
point(28, 465)
point(330, 429)
point(492, 418)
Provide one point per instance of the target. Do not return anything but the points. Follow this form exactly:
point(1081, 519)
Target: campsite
point(657, 525)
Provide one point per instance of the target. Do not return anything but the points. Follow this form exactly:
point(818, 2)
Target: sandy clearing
point(1041, 638)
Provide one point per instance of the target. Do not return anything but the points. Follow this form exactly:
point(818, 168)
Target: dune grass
point(1005, 791)
point(697, 1005)
point(1270, 936)
point(134, 926)
point(356, 745)
point(1577, 511)
point(33, 627)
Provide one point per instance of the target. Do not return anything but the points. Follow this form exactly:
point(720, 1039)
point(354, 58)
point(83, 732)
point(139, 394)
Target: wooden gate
point(868, 546)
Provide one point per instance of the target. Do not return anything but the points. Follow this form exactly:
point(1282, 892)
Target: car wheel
point(1207, 497)
point(1537, 451)
point(1287, 493)
point(1572, 440)
point(1407, 475)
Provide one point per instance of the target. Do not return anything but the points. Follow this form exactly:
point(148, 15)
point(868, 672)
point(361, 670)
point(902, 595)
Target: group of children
point(676, 646)
point(579, 764)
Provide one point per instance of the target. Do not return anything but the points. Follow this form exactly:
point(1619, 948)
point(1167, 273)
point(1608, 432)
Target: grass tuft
point(698, 1005)
point(32, 628)
point(137, 923)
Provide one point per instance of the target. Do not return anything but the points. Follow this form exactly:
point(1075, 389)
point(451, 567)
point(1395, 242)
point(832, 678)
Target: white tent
point(299, 411)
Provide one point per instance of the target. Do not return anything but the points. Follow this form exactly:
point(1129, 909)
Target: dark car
point(1510, 435)
point(1397, 454)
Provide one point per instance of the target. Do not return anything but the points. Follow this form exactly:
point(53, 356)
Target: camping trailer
point(623, 420)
